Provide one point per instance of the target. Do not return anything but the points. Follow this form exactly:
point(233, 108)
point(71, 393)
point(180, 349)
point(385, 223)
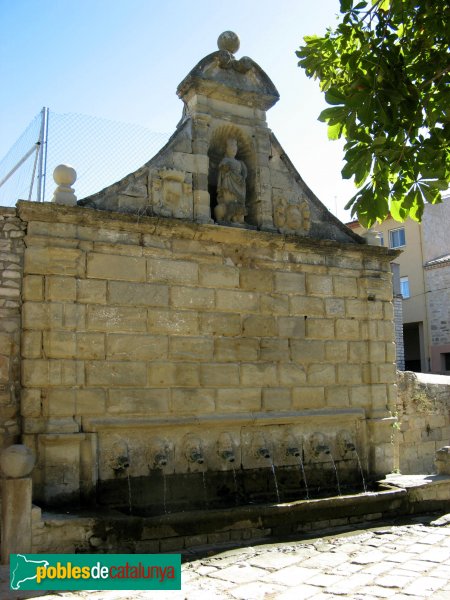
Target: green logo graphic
point(95, 572)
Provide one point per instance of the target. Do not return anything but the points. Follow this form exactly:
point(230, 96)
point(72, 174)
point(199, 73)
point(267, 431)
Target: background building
point(424, 285)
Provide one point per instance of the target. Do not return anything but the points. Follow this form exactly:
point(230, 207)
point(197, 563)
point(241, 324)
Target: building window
point(404, 287)
point(381, 234)
point(446, 361)
point(397, 238)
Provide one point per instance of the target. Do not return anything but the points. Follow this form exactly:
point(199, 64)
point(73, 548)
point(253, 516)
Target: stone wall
point(423, 408)
point(11, 259)
point(133, 327)
point(437, 277)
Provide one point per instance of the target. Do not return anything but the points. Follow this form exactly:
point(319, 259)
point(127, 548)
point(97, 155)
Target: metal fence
point(100, 150)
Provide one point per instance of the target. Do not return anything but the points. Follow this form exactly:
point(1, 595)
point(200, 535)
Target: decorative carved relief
point(172, 193)
point(291, 216)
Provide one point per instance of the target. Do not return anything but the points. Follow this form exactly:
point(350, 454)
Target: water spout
point(195, 456)
point(120, 459)
point(120, 464)
point(293, 451)
point(263, 453)
point(227, 456)
point(161, 460)
point(321, 449)
point(193, 451)
point(345, 443)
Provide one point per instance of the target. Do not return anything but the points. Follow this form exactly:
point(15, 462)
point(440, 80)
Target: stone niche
point(174, 359)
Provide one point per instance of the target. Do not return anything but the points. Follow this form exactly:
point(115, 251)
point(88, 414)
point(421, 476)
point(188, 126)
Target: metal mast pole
point(39, 197)
point(44, 175)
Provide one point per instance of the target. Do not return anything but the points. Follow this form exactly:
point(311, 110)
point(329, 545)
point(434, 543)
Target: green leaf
point(384, 71)
point(334, 96)
point(335, 131)
point(346, 5)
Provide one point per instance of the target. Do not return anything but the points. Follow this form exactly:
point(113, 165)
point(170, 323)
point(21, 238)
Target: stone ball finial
point(64, 176)
point(17, 461)
point(228, 41)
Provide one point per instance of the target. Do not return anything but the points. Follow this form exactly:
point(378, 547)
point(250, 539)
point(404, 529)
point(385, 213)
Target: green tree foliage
point(385, 71)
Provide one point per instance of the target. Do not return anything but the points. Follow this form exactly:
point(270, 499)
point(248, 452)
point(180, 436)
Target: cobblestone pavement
point(402, 562)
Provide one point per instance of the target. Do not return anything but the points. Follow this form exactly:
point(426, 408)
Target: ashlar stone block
point(173, 322)
point(33, 288)
point(212, 375)
point(137, 401)
point(275, 304)
point(274, 349)
point(135, 294)
point(239, 399)
point(136, 347)
point(164, 374)
point(319, 285)
point(346, 287)
point(190, 297)
point(219, 276)
point(307, 306)
point(290, 282)
point(308, 397)
point(259, 326)
point(256, 280)
point(32, 344)
point(320, 329)
point(117, 267)
point(60, 344)
point(290, 374)
point(172, 271)
point(60, 289)
point(193, 400)
point(191, 348)
point(259, 374)
point(114, 373)
point(274, 399)
point(239, 301)
point(91, 401)
point(228, 349)
point(220, 324)
point(54, 261)
point(91, 291)
point(291, 327)
point(307, 351)
point(116, 318)
point(321, 374)
point(347, 329)
point(90, 346)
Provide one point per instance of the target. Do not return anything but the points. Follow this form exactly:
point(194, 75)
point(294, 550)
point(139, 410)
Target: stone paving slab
point(407, 562)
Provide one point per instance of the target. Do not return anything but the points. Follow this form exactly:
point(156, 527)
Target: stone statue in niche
point(231, 186)
point(291, 218)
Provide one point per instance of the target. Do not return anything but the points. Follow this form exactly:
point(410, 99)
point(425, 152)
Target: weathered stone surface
point(54, 261)
point(124, 268)
point(169, 271)
point(114, 373)
point(116, 318)
point(220, 324)
point(134, 294)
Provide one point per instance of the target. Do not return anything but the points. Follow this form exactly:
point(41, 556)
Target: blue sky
point(123, 59)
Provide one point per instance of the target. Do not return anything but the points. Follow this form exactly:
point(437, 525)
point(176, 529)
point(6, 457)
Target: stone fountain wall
point(146, 340)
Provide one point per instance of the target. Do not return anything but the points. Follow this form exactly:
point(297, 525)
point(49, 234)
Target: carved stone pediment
point(196, 177)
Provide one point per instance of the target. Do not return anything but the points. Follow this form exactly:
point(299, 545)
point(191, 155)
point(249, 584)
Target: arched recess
point(246, 153)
